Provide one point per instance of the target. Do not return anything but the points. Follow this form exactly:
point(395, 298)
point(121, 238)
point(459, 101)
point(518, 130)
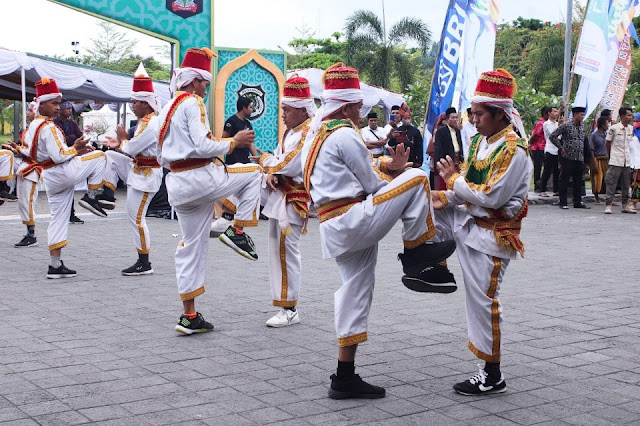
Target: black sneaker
point(354, 387)
point(106, 201)
point(60, 272)
point(75, 220)
point(481, 384)
point(415, 260)
point(7, 196)
point(240, 243)
point(190, 326)
point(92, 205)
point(27, 241)
point(140, 268)
point(432, 279)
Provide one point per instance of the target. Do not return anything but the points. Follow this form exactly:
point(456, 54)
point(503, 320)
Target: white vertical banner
point(592, 48)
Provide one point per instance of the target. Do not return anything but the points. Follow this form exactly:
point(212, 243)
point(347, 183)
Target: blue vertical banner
point(447, 64)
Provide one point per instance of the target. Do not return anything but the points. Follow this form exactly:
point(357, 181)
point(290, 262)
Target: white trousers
point(406, 198)
point(27, 192)
point(61, 181)
point(6, 165)
point(120, 166)
point(195, 218)
point(482, 275)
point(284, 264)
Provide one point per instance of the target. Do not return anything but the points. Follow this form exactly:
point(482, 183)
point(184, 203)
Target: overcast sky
point(41, 27)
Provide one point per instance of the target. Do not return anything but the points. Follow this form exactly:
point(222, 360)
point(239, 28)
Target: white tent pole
point(24, 98)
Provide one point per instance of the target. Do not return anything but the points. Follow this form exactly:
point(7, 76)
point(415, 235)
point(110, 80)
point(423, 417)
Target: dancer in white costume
point(356, 209)
point(186, 147)
point(286, 202)
point(135, 162)
point(27, 179)
point(62, 169)
point(482, 210)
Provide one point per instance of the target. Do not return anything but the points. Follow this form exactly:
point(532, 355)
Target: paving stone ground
point(100, 348)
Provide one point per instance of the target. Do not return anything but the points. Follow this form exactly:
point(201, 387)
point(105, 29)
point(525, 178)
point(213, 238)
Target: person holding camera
point(448, 142)
point(409, 135)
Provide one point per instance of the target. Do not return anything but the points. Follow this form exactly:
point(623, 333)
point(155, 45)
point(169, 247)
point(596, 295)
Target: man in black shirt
point(235, 123)
point(410, 136)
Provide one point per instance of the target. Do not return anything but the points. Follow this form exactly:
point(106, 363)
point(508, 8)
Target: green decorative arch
point(157, 18)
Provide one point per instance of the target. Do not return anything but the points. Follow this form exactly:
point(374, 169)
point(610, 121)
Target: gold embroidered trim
point(296, 85)
point(92, 156)
point(32, 219)
point(193, 294)
point(488, 95)
point(95, 186)
point(109, 185)
point(283, 267)
point(495, 305)
point(285, 303)
point(143, 243)
point(247, 169)
point(443, 198)
point(451, 180)
point(242, 223)
point(342, 75)
point(57, 246)
point(500, 134)
point(352, 340)
point(418, 180)
point(228, 205)
point(337, 208)
point(495, 79)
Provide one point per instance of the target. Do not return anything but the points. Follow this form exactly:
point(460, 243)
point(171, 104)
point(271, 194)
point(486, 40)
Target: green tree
point(381, 56)
point(316, 53)
point(110, 45)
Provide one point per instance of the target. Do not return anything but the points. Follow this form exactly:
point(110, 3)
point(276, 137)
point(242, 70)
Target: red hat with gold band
point(142, 84)
point(47, 86)
point(143, 89)
point(198, 58)
point(195, 65)
point(340, 77)
point(297, 88)
point(497, 84)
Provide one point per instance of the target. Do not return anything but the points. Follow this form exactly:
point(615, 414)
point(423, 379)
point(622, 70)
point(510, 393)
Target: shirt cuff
point(452, 180)
point(262, 158)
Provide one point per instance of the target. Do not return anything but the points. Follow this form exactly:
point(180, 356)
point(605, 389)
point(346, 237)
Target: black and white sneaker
point(240, 243)
point(7, 196)
point(481, 384)
point(60, 272)
point(353, 387)
point(106, 201)
point(191, 326)
point(27, 241)
point(92, 205)
point(432, 279)
point(140, 268)
point(428, 254)
point(75, 220)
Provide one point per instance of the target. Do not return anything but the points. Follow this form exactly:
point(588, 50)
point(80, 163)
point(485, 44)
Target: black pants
point(571, 169)
point(538, 161)
point(550, 168)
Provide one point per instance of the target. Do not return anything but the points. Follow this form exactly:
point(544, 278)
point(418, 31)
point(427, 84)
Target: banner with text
point(614, 93)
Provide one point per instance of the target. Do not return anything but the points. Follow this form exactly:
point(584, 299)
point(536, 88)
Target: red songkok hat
point(498, 84)
point(198, 58)
point(297, 87)
point(47, 86)
point(338, 77)
point(142, 84)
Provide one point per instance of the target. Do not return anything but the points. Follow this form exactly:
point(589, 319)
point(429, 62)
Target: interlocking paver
point(100, 348)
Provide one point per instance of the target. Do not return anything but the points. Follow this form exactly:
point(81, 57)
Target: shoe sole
point(283, 325)
point(55, 277)
point(227, 242)
point(106, 205)
point(89, 207)
point(420, 267)
point(188, 332)
point(133, 274)
point(29, 245)
point(215, 234)
point(503, 390)
point(334, 394)
point(420, 286)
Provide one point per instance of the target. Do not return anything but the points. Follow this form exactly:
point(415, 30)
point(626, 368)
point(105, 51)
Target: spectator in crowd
point(72, 131)
point(409, 135)
point(537, 144)
point(550, 155)
point(570, 140)
point(618, 140)
point(634, 150)
point(374, 137)
point(448, 142)
point(394, 121)
point(597, 143)
point(441, 121)
point(607, 113)
point(235, 123)
point(468, 131)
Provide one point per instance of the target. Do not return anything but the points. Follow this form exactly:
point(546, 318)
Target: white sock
point(55, 261)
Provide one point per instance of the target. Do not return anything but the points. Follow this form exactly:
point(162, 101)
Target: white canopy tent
point(373, 95)
point(19, 71)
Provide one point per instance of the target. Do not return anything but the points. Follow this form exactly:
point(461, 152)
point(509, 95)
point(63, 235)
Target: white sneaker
point(283, 318)
point(607, 210)
point(219, 226)
point(628, 208)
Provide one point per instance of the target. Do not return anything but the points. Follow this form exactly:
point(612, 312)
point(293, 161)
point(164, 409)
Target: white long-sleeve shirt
point(144, 143)
point(51, 142)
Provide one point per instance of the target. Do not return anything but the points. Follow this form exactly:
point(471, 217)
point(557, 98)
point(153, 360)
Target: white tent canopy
point(373, 95)
point(75, 81)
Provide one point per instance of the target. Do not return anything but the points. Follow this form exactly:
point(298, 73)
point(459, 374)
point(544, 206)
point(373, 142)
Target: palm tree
point(380, 55)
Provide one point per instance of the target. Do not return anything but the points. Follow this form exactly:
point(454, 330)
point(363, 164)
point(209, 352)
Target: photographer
point(408, 135)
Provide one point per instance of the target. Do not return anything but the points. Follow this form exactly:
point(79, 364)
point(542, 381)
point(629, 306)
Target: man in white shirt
point(394, 121)
point(618, 140)
point(550, 155)
point(374, 137)
point(468, 131)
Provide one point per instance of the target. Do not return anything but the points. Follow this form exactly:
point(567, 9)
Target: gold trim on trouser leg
point(109, 185)
point(352, 340)
point(228, 205)
point(32, 219)
point(283, 302)
point(58, 245)
point(143, 243)
point(495, 317)
point(193, 294)
point(243, 223)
